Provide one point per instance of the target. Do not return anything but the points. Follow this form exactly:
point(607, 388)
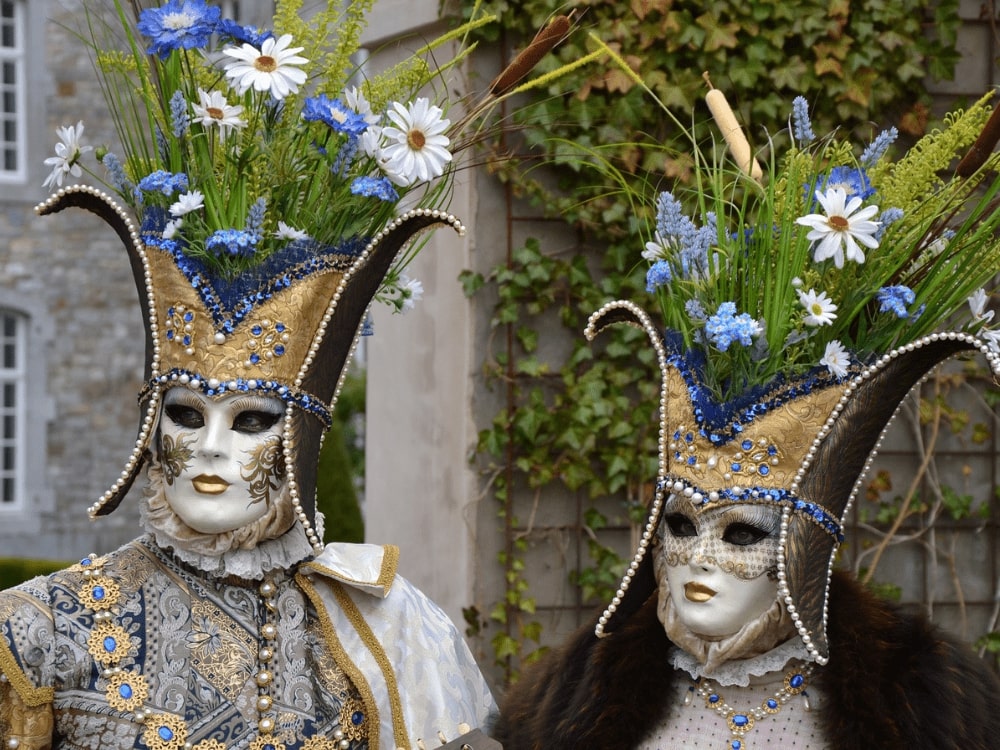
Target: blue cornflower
point(726, 327)
point(165, 182)
point(895, 299)
point(877, 148)
point(180, 120)
point(887, 217)
point(255, 216)
point(659, 274)
point(801, 125)
point(334, 113)
point(228, 29)
point(116, 174)
point(180, 24)
point(232, 242)
point(374, 187)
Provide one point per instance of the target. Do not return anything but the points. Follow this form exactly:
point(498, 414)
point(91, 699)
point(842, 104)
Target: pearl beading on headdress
point(992, 358)
point(149, 420)
point(653, 519)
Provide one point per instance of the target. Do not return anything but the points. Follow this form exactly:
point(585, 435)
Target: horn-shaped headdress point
point(801, 306)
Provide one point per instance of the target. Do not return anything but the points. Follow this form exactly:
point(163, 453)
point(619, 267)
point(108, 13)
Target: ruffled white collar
point(740, 672)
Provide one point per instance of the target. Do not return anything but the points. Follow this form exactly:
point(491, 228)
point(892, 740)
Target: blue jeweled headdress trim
point(231, 300)
point(305, 401)
point(721, 423)
point(813, 511)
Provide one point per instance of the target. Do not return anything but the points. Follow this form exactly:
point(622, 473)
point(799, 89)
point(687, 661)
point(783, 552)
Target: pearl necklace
point(126, 688)
point(741, 722)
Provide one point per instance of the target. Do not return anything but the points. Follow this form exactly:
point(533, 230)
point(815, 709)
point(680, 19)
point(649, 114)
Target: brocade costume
point(357, 649)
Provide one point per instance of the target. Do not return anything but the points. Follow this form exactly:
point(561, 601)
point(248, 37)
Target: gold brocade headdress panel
point(803, 445)
point(286, 329)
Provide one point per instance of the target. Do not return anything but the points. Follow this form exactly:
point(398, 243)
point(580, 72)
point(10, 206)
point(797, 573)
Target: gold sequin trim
point(108, 644)
point(319, 743)
point(345, 662)
point(165, 732)
point(209, 745)
point(266, 743)
point(126, 691)
point(99, 593)
point(353, 720)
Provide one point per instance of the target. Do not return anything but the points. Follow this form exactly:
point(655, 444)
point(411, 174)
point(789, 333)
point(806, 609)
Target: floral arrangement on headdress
point(828, 256)
point(239, 141)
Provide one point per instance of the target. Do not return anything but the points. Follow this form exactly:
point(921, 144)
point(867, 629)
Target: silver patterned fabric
point(195, 639)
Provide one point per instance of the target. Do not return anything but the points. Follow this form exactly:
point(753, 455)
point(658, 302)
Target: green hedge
point(15, 570)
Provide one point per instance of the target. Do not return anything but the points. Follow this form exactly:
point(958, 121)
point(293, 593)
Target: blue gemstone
point(737, 745)
point(110, 644)
point(166, 733)
point(772, 451)
point(269, 747)
point(689, 438)
point(125, 691)
point(764, 470)
point(170, 335)
point(170, 311)
point(279, 327)
point(713, 698)
point(254, 358)
point(86, 561)
point(746, 445)
point(256, 330)
point(740, 720)
point(772, 703)
point(188, 317)
point(796, 681)
point(692, 460)
point(97, 592)
point(357, 717)
point(736, 467)
point(279, 350)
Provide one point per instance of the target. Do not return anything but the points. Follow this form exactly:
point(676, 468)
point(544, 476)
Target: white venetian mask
point(720, 564)
point(222, 459)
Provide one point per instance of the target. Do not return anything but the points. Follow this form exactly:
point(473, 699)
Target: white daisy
point(187, 202)
point(836, 358)
point(839, 232)
point(171, 228)
point(819, 308)
point(992, 339)
point(412, 290)
point(286, 232)
point(977, 303)
point(655, 250)
point(271, 68)
point(68, 153)
point(356, 100)
point(215, 110)
point(416, 148)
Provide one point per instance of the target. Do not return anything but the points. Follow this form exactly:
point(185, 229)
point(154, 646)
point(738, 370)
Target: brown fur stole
point(893, 681)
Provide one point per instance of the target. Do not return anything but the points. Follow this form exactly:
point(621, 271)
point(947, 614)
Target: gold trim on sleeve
point(340, 655)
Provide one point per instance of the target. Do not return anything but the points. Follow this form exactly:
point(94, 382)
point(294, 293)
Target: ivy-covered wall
point(567, 445)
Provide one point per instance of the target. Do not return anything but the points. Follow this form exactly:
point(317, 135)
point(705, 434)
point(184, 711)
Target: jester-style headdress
point(266, 194)
point(802, 304)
